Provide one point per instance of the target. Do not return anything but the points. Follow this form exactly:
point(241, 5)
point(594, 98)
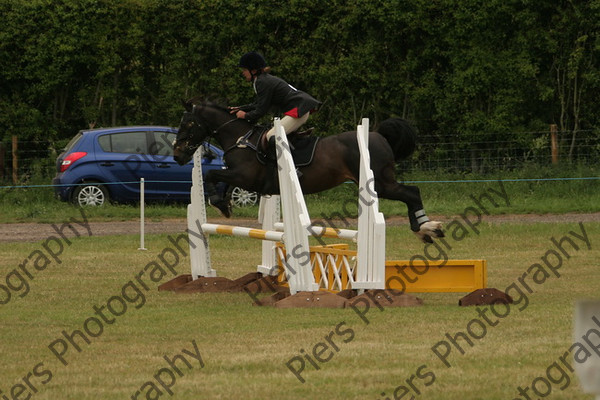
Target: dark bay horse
point(336, 160)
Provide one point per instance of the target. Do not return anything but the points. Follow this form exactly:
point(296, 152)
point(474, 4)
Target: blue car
point(107, 164)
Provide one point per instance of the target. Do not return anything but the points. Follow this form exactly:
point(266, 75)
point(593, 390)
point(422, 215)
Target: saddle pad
point(303, 149)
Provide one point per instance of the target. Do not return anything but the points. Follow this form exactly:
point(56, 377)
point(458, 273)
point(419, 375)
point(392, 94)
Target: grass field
point(244, 349)
point(443, 194)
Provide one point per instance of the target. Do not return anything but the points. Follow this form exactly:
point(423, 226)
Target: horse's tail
point(401, 136)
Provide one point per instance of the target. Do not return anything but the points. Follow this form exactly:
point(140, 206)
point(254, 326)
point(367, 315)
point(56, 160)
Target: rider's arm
point(264, 95)
point(246, 107)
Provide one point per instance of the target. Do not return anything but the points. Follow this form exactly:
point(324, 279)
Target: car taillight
point(70, 159)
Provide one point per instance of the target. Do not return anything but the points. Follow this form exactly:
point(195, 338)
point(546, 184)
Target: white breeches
point(290, 124)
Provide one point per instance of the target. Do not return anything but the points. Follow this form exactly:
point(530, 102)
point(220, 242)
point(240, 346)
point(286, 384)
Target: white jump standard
point(294, 235)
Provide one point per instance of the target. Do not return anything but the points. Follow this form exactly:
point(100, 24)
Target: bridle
point(216, 130)
point(201, 123)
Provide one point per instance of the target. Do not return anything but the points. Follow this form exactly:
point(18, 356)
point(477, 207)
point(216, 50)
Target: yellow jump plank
point(451, 276)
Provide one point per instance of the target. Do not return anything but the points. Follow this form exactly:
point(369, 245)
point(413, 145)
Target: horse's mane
point(204, 102)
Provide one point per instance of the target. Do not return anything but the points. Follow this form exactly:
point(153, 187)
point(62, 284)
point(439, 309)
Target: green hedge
point(470, 67)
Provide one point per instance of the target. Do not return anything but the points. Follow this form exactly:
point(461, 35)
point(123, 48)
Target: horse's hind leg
point(411, 195)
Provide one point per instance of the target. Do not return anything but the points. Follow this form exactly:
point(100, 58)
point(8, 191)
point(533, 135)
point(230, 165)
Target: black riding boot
point(271, 149)
point(271, 182)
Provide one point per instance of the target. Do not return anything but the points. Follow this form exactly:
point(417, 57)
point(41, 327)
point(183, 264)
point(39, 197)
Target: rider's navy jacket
point(274, 92)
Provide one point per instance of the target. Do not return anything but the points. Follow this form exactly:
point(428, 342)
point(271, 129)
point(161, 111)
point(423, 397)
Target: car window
point(162, 144)
point(104, 142)
point(128, 142)
point(72, 142)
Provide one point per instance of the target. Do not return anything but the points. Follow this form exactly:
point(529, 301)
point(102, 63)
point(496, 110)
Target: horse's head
point(190, 135)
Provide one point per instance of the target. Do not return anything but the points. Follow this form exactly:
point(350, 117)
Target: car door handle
point(163, 166)
point(107, 164)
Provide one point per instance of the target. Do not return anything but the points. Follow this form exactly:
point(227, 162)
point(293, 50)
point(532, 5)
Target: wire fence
point(504, 152)
point(32, 158)
point(451, 153)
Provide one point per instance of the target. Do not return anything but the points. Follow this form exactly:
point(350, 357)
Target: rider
point(273, 92)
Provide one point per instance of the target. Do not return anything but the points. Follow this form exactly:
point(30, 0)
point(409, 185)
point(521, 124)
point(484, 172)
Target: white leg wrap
point(421, 217)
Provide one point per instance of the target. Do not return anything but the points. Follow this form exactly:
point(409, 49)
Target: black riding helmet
point(252, 60)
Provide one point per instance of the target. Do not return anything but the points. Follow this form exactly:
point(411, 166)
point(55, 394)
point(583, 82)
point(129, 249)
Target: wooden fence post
point(15, 163)
point(2, 170)
point(554, 143)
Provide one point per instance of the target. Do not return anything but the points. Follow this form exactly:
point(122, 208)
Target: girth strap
point(243, 142)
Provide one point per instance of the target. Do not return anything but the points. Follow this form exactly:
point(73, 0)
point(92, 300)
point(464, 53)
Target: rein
point(242, 142)
point(214, 133)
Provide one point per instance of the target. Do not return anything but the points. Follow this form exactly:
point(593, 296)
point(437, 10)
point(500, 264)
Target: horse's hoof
point(430, 230)
point(427, 239)
point(439, 233)
point(223, 206)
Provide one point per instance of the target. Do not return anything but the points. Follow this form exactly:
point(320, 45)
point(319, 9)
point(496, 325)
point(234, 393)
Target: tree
point(575, 47)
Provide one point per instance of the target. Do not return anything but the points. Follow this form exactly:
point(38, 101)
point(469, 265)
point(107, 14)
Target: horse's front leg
point(215, 198)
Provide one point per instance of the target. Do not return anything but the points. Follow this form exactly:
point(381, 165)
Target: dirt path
point(32, 232)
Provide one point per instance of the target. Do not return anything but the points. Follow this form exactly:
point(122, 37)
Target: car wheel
point(90, 195)
point(243, 198)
